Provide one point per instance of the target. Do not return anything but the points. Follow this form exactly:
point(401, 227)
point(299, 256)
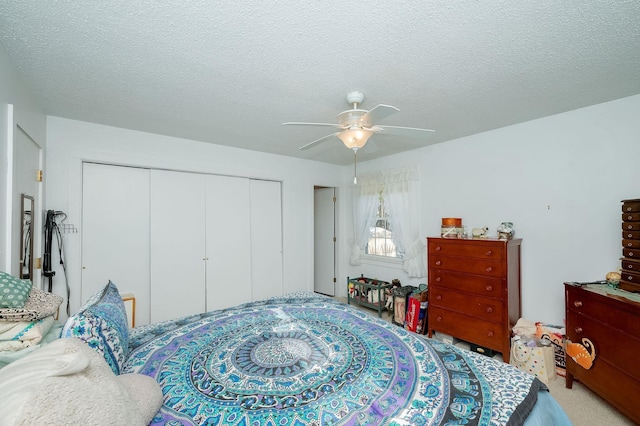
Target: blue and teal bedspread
point(306, 359)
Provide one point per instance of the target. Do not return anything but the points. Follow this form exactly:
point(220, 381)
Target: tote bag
point(539, 360)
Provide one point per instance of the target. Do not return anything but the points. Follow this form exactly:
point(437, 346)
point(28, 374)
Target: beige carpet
point(583, 407)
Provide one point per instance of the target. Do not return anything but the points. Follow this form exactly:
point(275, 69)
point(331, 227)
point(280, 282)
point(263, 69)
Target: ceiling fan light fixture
point(355, 138)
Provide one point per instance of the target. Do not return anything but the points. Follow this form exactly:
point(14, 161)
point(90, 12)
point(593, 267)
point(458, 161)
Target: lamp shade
point(355, 137)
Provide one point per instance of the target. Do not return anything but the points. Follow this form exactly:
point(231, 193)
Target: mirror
point(26, 238)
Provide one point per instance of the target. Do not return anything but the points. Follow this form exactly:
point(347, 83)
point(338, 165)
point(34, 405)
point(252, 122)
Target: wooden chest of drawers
point(612, 324)
point(630, 273)
point(474, 290)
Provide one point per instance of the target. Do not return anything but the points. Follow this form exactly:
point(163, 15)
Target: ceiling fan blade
point(317, 141)
point(403, 131)
point(297, 123)
point(379, 112)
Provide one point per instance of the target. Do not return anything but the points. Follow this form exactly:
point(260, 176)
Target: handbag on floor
point(537, 360)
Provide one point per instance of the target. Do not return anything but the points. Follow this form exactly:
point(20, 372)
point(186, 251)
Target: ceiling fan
point(358, 125)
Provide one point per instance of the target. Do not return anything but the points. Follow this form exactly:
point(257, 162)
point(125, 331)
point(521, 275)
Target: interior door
point(324, 241)
point(177, 244)
point(266, 239)
point(115, 232)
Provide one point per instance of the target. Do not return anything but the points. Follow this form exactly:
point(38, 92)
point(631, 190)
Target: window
point(381, 239)
point(385, 209)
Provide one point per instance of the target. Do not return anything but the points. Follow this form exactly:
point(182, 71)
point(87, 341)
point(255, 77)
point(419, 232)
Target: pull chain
point(355, 169)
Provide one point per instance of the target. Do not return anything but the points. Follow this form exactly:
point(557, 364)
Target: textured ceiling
point(231, 73)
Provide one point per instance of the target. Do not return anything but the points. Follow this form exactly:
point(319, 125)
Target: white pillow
point(66, 382)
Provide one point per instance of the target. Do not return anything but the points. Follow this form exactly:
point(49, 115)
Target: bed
point(299, 359)
point(306, 359)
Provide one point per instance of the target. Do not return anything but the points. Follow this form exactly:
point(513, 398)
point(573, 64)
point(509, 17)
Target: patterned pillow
point(40, 304)
point(102, 324)
point(13, 291)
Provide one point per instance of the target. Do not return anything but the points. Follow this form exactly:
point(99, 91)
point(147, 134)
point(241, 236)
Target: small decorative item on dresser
point(452, 227)
point(506, 231)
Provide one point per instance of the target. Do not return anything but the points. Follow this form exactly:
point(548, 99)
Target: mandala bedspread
point(308, 360)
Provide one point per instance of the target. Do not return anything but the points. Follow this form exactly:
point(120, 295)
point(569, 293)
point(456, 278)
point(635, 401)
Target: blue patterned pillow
point(13, 291)
point(102, 324)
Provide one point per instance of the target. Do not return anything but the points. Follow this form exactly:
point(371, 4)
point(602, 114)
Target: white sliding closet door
point(115, 232)
point(266, 239)
point(228, 241)
point(177, 244)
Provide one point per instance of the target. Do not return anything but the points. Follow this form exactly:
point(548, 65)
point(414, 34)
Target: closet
point(182, 242)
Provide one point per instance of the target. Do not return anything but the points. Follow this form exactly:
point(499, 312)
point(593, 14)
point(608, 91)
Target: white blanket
point(15, 336)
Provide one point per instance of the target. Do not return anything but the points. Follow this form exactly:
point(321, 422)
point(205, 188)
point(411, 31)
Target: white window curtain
point(400, 192)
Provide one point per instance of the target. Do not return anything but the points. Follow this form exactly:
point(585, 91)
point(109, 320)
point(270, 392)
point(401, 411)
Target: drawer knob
point(629, 217)
point(629, 208)
point(489, 269)
point(577, 303)
point(629, 266)
point(489, 253)
point(629, 235)
point(489, 309)
point(578, 330)
point(439, 319)
point(629, 227)
point(438, 248)
point(630, 254)
point(490, 333)
point(439, 297)
point(438, 279)
point(489, 288)
point(629, 244)
point(438, 262)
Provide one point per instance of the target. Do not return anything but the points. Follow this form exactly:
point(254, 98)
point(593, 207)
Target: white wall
point(70, 142)
point(559, 179)
point(17, 108)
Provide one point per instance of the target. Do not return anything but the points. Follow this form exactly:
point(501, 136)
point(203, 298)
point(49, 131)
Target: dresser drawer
point(631, 226)
point(631, 217)
point(620, 389)
point(630, 265)
point(634, 244)
point(484, 309)
point(631, 253)
point(479, 249)
point(606, 340)
point(465, 327)
point(631, 235)
point(602, 309)
point(456, 281)
point(630, 277)
point(491, 268)
point(630, 206)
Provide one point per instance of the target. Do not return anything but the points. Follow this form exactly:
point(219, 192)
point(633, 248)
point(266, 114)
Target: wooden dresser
point(474, 290)
point(612, 324)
